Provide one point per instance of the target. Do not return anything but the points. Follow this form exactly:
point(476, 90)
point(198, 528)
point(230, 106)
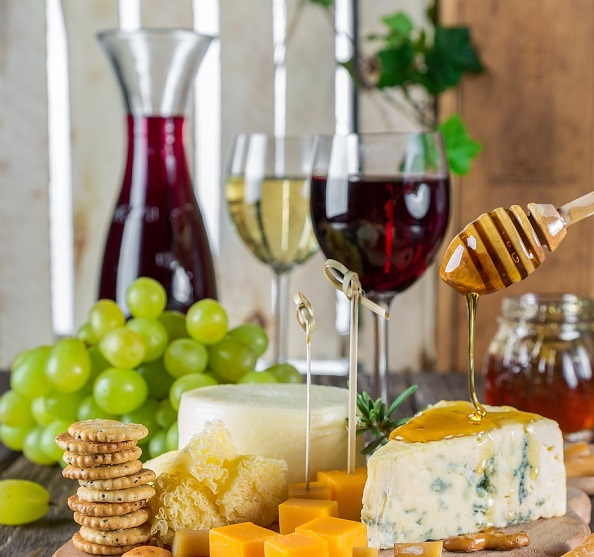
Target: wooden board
point(549, 537)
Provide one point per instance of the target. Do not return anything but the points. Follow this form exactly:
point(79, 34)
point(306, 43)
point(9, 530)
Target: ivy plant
point(433, 59)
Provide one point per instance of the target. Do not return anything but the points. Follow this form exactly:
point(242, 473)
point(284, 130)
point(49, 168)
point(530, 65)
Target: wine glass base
point(338, 367)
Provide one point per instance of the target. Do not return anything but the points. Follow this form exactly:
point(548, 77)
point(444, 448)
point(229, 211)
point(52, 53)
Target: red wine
point(386, 229)
point(157, 228)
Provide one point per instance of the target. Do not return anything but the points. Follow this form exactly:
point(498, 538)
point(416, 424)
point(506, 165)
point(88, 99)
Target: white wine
point(272, 217)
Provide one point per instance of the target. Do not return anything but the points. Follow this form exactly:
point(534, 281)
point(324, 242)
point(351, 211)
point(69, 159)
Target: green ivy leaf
point(461, 149)
point(400, 28)
point(450, 56)
point(397, 65)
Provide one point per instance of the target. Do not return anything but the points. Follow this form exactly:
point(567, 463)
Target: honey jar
point(541, 360)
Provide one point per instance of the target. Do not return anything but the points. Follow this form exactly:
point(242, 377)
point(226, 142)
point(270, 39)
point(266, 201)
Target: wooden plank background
point(97, 145)
point(532, 110)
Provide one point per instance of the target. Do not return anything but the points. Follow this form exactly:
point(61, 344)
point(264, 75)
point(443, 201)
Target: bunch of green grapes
point(133, 370)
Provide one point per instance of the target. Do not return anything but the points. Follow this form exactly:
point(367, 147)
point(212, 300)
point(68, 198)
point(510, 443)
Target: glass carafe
point(157, 229)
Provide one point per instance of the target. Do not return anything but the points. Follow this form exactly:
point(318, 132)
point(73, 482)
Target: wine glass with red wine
point(380, 205)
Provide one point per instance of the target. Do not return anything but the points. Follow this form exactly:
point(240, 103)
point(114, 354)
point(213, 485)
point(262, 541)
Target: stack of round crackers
point(110, 504)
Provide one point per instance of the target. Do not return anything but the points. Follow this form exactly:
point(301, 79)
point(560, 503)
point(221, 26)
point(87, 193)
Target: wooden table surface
point(45, 536)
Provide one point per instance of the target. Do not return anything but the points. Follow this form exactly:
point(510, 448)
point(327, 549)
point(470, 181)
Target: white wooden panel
point(25, 317)
point(98, 141)
point(310, 110)
point(310, 70)
point(165, 13)
point(247, 99)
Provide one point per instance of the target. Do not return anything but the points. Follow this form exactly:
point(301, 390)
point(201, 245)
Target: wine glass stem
point(281, 313)
point(381, 354)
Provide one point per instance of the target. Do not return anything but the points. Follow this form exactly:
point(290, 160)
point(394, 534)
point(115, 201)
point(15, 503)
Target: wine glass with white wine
point(267, 193)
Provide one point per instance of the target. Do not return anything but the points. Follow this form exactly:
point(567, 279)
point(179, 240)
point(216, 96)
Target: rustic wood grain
point(532, 111)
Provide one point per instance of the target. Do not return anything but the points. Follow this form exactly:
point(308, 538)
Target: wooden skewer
point(578, 209)
point(504, 246)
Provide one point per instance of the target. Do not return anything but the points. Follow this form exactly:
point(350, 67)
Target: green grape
point(146, 415)
point(28, 374)
point(146, 297)
point(32, 448)
point(183, 356)
point(20, 358)
point(119, 390)
point(14, 437)
point(253, 335)
point(64, 406)
point(39, 411)
point(172, 438)
point(122, 347)
point(186, 383)
point(157, 379)
point(215, 376)
point(47, 441)
point(153, 334)
point(285, 373)
point(165, 414)
point(68, 365)
point(15, 410)
point(22, 502)
point(206, 321)
point(231, 359)
point(158, 444)
point(257, 377)
point(89, 410)
point(86, 334)
point(98, 364)
point(175, 324)
point(105, 315)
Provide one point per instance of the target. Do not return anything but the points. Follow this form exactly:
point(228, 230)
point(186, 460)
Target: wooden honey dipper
point(504, 246)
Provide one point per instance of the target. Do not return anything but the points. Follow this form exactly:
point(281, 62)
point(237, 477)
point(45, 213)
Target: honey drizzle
point(450, 419)
point(479, 411)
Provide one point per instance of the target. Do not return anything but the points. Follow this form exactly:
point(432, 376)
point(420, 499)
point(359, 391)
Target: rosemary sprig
point(375, 418)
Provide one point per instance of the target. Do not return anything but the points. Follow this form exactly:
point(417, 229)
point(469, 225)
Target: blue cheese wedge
point(443, 475)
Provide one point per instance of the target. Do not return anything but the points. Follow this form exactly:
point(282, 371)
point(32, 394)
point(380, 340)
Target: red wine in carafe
point(157, 228)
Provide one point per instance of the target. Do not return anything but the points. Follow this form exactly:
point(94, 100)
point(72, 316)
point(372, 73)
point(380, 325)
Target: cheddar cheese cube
point(317, 490)
point(342, 535)
point(347, 490)
point(365, 552)
point(297, 544)
point(295, 512)
point(423, 549)
point(239, 540)
point(190, 543)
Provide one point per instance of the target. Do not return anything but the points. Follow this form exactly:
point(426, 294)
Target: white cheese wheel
point(270, 419)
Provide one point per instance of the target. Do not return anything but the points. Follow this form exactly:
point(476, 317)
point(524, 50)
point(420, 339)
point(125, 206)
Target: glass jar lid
point(548, 308)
